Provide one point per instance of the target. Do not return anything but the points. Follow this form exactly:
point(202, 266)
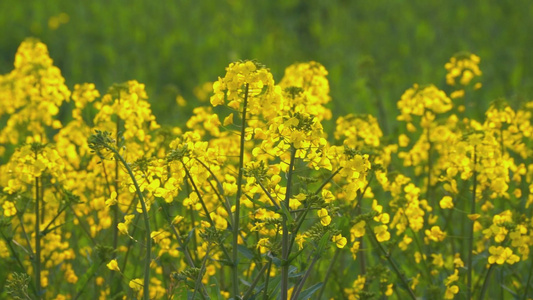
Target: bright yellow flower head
point(9, 209)
point(113, 265)
point(435, 234)
point(311, 79)
point(325, 219)
point(136, 284)
point(247, 80)
point(358, 230)
point(451, 291)
point(446, 202)
point(382, 234)
point(501, 255)
point(464, 66)
point(339, 241)
point(417, 100)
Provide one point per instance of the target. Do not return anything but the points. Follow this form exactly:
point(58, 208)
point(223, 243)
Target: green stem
point(146, 289)
point(224, 199)
point(471, 233)
point(319, 189)
point(17, 258)
point(236, 216)
point(301, 217)
point(485, 283)
point(200, 198)
point(43, 204)
point(116, 286)
point(419, 246)
point(300, 286)
point(328, 272)
point(92, 272)
point(26, 237)
point(285, 243)
point(430, 169)
point(299, 221)
point(114, 208)
point(182, 246)
point(362, 256)
point(394, 267)
point(37, 257)
point(47, 229)
point(194, 235)
point(250, 291)
point(204, 207)
point(267, 280)
point(268, 194)
point(176, 233)
point(528, 281)
point(130, 243)
point(82, 225)
point(201, 272)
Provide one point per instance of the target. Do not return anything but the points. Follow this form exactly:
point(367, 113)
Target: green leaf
point(82, 282)
point(323, 243)
point(262, 205)
point(215, 289)
point(246, 283)
point(285, 211)
point(294, 255)
point(245, 251)
point(274, 286)
point(276, 261)
point(310, 291)
point(189, 237)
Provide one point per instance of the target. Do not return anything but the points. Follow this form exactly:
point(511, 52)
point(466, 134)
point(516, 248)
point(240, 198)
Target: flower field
point(253, 198)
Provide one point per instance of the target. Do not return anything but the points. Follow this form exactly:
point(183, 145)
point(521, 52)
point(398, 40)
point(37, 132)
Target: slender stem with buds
point(114, 208)
point(393, 265)
point(37, 257)
point(204, 207)
point(301, 217)
point(285, 242)
point(259, 275)
point(471, 233)
point(328, 272)
point(528, 284)
point(148, 259)
point(220, 194)
point(486, 281)
point(236, 215)
point(300, 286)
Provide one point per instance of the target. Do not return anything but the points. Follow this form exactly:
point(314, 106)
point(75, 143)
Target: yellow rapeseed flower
point(9, 209)
point(113, 265)
point(501, 255)
point(382, 234)
point(325, 219)
point(339, 241)
point(446, 202)
point(136, 284)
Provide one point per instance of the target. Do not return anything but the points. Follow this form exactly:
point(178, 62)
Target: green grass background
point(373, 50)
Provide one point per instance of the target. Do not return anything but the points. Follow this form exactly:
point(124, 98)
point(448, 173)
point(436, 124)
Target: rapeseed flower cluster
point(252, 198)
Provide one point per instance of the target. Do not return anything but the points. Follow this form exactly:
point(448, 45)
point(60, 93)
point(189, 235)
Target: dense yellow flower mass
point(252, 197)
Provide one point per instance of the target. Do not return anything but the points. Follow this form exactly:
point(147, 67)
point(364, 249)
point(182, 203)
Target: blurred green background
point(373, 50)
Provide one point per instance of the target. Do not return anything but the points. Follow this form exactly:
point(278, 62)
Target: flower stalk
point(471, 232)
point(101, 141)
point(285, 243)
point(236, 215)
point(148, 260)
point(37, 256)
